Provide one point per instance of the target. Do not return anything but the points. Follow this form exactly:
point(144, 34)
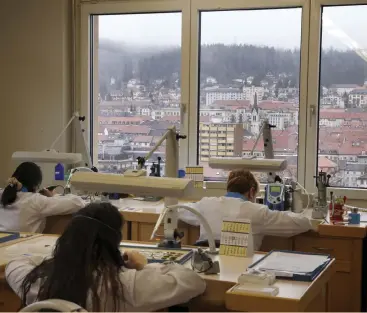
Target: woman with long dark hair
point(24, 209)
point(87, 268)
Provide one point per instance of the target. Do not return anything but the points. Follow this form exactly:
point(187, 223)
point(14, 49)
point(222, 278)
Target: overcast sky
point(343, 27)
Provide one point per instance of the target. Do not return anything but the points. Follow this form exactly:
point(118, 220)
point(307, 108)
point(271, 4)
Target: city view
point(244, 79)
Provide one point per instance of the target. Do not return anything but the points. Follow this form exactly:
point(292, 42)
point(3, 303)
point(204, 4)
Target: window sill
point(350, 193)
point(213, 187)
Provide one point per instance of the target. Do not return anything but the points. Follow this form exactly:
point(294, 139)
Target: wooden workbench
point(345, 243)
point(293, 296)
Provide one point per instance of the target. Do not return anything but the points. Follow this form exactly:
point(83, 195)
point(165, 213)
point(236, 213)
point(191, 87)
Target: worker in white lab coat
point(88, 268)
point(239, 203)
point(24, 209)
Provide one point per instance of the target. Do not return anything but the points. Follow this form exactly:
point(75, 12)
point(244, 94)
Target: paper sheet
point(292, 262)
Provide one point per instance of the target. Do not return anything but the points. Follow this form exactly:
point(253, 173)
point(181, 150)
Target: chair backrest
point(205, 243)
point(53, 305)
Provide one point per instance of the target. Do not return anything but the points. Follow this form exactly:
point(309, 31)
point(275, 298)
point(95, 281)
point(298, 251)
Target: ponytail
point(9, 195)
point(10, 192)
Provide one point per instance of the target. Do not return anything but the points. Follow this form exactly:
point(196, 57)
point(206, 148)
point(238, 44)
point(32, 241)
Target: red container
point(338, 213)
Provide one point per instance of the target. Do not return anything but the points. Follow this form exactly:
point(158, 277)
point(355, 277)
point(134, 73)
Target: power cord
point(201, 262)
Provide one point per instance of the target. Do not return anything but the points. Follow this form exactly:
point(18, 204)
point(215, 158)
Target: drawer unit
point(340, 249)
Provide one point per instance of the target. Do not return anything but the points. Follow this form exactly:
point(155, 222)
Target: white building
point(223, 94)
point(249, 93)
point(333, 100)
point(160, 113)
point(358, 97)
point(340, 89)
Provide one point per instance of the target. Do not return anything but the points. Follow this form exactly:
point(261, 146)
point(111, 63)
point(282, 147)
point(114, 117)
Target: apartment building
point(358, 97)
point(220, 140)
point(249, 93)
point(223, 94)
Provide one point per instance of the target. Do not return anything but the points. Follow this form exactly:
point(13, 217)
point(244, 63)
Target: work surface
point(293, 296)
point(146, 211)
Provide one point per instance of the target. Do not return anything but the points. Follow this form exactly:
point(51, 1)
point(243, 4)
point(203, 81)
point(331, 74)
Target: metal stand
point(79, 130)
point(268, 145)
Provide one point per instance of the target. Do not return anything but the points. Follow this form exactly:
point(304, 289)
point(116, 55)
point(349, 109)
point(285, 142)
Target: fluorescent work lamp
point(50, 156)
point(141, 185)
point(256, 165)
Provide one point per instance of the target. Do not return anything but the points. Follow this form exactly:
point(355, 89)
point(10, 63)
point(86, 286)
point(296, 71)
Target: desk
point(345, 243)
point(292, 295)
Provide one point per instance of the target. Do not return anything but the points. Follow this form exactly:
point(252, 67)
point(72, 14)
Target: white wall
point(35, 76)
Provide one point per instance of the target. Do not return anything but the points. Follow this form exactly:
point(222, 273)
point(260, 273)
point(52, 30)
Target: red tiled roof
point(171, 118)
point(124, 119)
point(277, 105)
point(231, 103)
point(326, 163)
point(143, 139)
point(283, 142)
point(128, 129)
point(334, 114)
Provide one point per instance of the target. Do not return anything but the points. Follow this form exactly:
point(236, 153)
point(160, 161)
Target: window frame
point(87, 77)
point(313, 96)
point(223, 5)
point(309, 69)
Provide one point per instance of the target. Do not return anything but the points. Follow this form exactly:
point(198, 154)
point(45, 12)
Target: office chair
point(53, 305)
point(205, 243)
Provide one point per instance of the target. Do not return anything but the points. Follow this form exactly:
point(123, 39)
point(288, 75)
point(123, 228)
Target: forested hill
point(224, 63)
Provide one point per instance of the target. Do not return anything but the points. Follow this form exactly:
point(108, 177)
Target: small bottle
point(59, 172)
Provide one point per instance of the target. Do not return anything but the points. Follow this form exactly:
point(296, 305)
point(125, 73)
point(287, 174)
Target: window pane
point(249, 72)
point(139, 63)
point(343, 96)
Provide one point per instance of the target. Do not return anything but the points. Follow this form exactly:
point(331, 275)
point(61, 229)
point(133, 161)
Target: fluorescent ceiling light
point(143, 185)
point(50, 156)
point(255, 165)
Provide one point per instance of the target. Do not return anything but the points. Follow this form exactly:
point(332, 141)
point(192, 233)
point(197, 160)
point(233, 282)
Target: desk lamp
point(170, 217)
point(52, 156)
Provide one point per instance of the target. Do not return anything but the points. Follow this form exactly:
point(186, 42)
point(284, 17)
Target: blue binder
point(7, 236)
point(307, 277)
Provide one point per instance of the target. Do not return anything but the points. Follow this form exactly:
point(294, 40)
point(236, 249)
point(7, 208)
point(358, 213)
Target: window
point(343, 77)
point(252, 62)
point(227, 65)
point(139, 77)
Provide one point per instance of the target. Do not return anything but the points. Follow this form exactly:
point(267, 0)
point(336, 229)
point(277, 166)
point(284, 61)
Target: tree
point(346, 100)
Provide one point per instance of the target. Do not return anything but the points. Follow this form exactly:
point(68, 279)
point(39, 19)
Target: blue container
point(181, 173)
point(59, 172)
point(354, 218)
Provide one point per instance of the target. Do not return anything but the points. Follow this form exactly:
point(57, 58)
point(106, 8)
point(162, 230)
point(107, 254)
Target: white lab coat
point(263, 220)
point(155, 287)
point(29, 211)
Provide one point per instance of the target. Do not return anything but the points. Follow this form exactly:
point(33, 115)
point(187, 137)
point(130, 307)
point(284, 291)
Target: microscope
point(321, 208)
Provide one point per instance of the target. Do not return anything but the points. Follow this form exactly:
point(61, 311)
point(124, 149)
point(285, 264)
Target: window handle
point(312, 113)
point(183, 109)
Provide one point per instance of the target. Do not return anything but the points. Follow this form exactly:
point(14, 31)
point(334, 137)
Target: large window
point(249, 72)
point(216, 69)
point(342, 150)
point(139, 75)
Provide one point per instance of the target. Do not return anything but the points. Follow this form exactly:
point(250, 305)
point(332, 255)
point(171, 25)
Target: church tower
point(255, 117)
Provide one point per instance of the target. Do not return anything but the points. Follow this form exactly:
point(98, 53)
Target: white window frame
point(99, 7)
point(309, 71)
point(215, 5)
point(313, 97)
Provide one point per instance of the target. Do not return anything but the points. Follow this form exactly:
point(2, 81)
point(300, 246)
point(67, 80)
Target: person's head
point(86, 257)
point(243, 182)
point(27, 176)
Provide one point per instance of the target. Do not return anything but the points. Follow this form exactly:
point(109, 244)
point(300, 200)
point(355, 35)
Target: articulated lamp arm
point(170, 217)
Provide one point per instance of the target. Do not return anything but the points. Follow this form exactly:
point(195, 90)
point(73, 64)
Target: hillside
point(224, 62)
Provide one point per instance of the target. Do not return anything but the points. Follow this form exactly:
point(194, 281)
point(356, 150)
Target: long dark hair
point(29, 175)
point(86, 257)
